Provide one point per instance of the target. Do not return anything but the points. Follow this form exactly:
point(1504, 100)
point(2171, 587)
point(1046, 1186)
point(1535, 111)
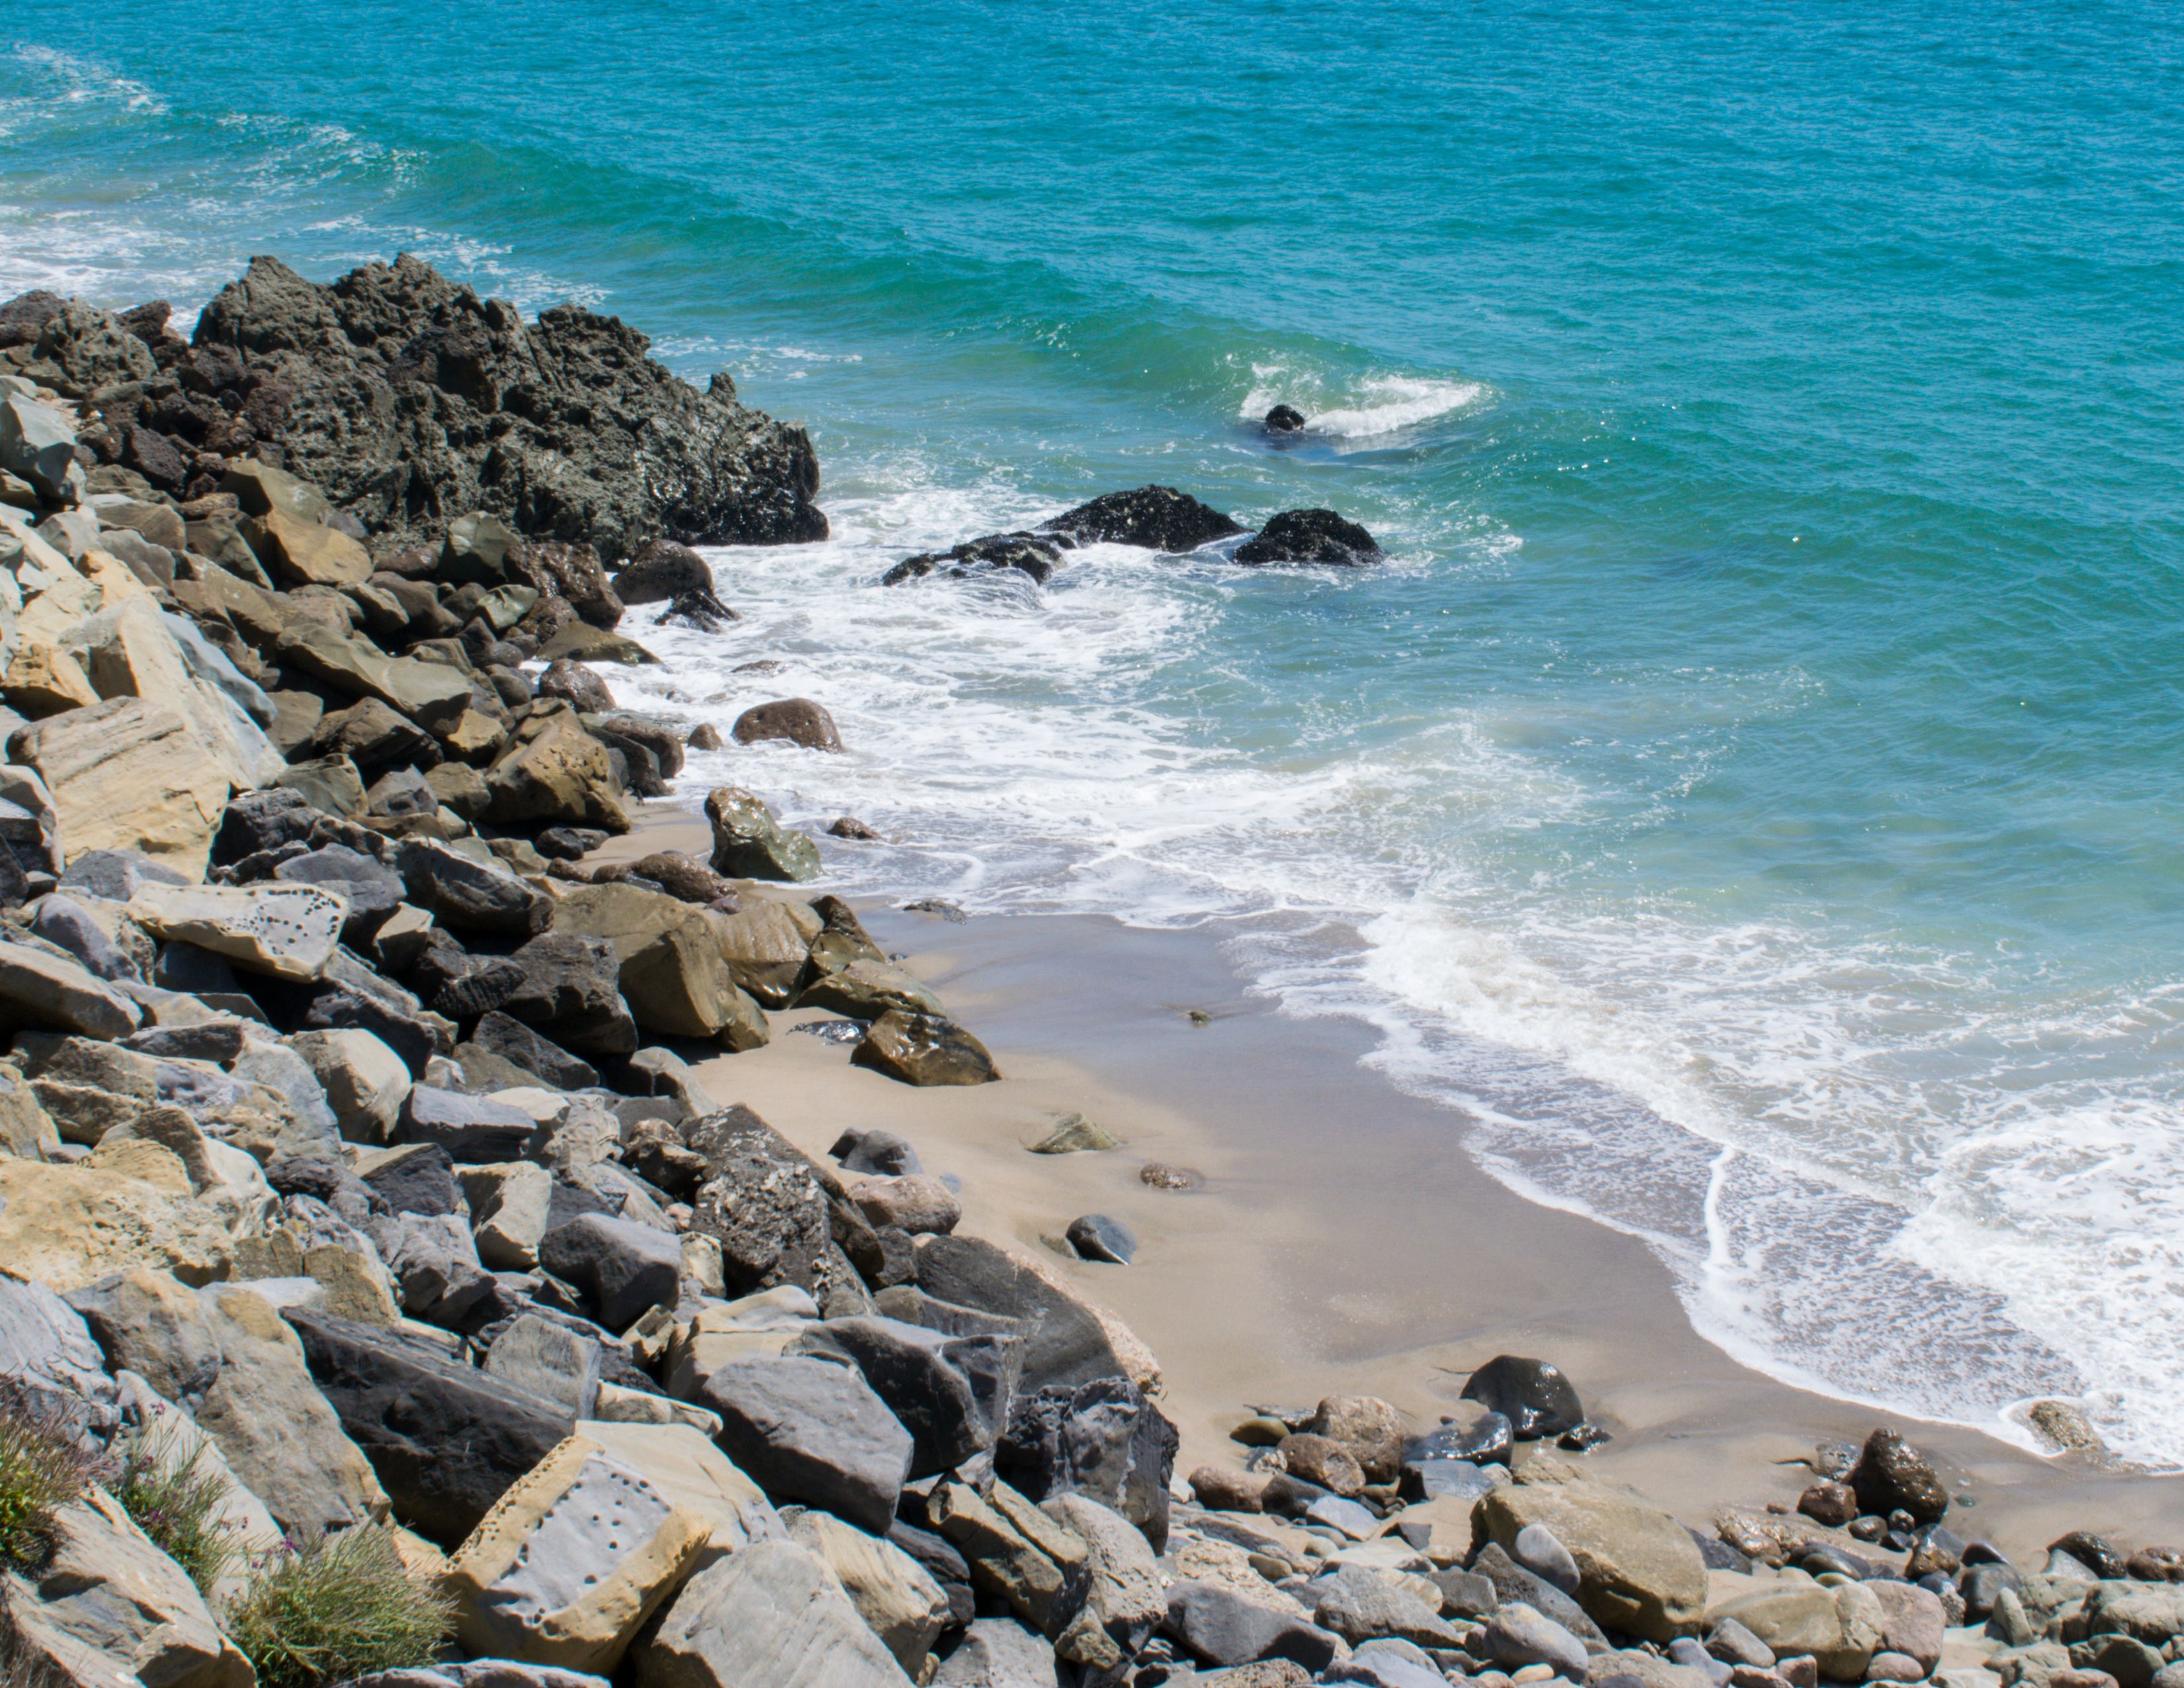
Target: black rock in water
point(406, 396)
point(661, 571)
point(1025, 553)
point(1310, 536)
point(1284, 419)
point(1153, 518)
point(1532, 1394)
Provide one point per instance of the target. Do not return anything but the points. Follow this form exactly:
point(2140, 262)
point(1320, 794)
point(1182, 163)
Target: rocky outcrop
point(411, 401)
point(1310, 536)
point(1153, 518)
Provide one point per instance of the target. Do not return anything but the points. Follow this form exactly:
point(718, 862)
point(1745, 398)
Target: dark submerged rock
point(1284, 419)
point(1310, 536)
point(1025, 553)
point(1153, 518)
point(661, 571)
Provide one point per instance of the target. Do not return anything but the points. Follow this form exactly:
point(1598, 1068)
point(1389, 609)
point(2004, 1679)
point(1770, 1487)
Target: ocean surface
point(1752, 791)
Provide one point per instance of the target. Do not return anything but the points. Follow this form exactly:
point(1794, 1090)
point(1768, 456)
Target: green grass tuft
point(42, 1470)
point(177, 1500)
point(337, 1607)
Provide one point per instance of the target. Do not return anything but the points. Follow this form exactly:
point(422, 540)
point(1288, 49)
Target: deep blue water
point(1752, 788)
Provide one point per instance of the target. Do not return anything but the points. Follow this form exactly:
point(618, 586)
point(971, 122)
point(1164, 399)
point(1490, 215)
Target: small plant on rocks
point(336, 1607)
point(177, 1500)
point(42, 1470)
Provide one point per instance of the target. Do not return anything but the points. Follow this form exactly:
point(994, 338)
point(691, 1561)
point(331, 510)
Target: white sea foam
point(1862, 1163)
point(1369, 409)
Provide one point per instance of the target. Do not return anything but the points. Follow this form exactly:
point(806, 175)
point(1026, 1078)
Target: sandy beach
point(1344, 1240)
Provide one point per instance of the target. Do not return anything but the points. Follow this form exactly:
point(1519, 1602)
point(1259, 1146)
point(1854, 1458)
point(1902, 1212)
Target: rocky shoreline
point(352, 1168)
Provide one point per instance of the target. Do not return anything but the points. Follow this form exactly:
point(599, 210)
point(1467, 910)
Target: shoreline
point(1345, 1240)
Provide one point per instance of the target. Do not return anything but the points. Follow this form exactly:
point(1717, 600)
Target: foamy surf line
point(1007, 736)
point(1365, 410)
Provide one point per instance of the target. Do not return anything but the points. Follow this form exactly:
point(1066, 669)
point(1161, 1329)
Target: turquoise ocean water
point(1754, 790)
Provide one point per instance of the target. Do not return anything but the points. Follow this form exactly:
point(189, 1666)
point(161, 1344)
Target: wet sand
point(1344, 1242)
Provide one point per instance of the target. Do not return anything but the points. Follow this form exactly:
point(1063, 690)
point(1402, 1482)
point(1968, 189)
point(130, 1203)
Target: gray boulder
point(472, 1128)
point(951, 1393)
point(110, 1608)
point(570, 993)
point(999, 1652)
point(1103, 1439)
point(549, 1360)
point(1067, 1344)
point(810, 1430)
point(468, 894)
point(48, 1353)
point(498, 1033)
point(446, 1440)
point(622, 1267)
point(1218, 1626)
point(417, 1178)
point(769, 1612)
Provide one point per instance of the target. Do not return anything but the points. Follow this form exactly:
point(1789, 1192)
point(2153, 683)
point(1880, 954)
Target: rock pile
point(343, 1129)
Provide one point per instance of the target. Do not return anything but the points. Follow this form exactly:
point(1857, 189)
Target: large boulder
point(570, 991)
point(48, 1354)
point(38, 988)
point(1069, 1341)
point(768, 945)
point(672, 971)
point(1015, 1552)
point(554, 773)
point(749, 844)
point(570, 1562)
point(470, 895)
point(1638, 1570)
point(130, 650)
point(445, 1439)
point(287, 931)
point(951, 1392)
point(1840, 1628)
point(788, 721)
point(275, 1429)
point(779, 1219)
point(555, 569)
point(623, 1269)
point(681, 1463)
point(771, 1614)
point(1222, 1627)
point(811, 1430)
point(923, 1048)
point(1892, 1475)
point(1103, 1439)
point(413, 398)
point(662, 571)
point(68, 1226)
point(1310, 536)
point(129, 774)
point(895, 1596)
point(110, 1608)
point(1153, 518)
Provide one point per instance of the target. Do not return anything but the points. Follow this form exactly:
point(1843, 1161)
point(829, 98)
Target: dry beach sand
point(1344, 1241)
